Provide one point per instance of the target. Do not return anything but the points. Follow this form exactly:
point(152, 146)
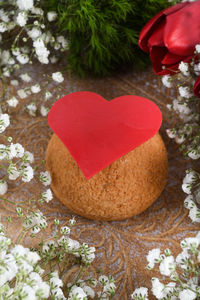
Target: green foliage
point(103, 34)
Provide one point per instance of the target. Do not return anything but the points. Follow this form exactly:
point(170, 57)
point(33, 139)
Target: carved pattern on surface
point(121, 246)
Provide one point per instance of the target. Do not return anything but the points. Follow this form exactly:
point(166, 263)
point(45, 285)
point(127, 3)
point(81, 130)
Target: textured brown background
point(121, 246)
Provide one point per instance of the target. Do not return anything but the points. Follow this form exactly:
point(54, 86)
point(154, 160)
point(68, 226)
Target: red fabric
point(174, 32)
point(98, 132)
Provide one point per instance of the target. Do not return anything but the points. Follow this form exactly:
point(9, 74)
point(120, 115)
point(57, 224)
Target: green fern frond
point(103, 34)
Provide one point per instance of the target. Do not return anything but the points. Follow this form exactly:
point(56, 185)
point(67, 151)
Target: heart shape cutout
point(97, 132)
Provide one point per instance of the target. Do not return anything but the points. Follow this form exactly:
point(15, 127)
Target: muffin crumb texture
point(123, 189)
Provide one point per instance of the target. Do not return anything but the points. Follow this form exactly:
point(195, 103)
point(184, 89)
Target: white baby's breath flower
point(35, 88)
point(58, 77)
point(48, 95)
point(24, 5)
point(14, 82)
point(180, 108)
point(15, 51)
point(184, 92)
point(32, 257)
point(35, 229)
point(62, 40)
point(46, 37)
point(10, 271)
point(171, 133)
point(158, 288)
point(19, 250)
point(13, 173)
point(12, 151)
point(3, 27)
point(77, 293)
point(22, 58)
point(34, 33)
point(153, 257)
point(89, 291)
point(57, 293)
point(184, 68)
point(47, 196)
point(190, 177)
point(21, 18)
point(3, 187)
point(4, 16)
point(65, 230)
point(167, 81)
point(45, 178)
point(28, 157)
point(46, 248)
point(103, 280)
point(197, 47)
point(182, 259)
point(72, 222)
point(25, 77)
point(186, 187)
point(27, 173)
point(194, 154)
point(44, 110)
point(11, 61)
point(43, 289)
point(40, 49)
point(3, 151)
point(12, 102)
point(31, 108)
point(4, 122)
point(189, 202)
point(190, 242)
point(51, 16)
point(87, 253)
point(194, 214)
point(53, 59)
point(140, 292)
point(167, 265)
point(19, 150)
point(180, 139)
point(11, 25)
point(28, 292)
point(35, 221)
point(6, 72)
point(37, 11)
point(56, 282)
point(22, 93)
point(5, 55)
point(187, 295)
point(56, 46)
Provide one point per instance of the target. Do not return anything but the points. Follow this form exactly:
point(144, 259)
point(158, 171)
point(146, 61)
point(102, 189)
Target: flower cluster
point(4, 122)
point(191, 186)
point(31, 36)
point(65, 245)
point(85, 290)
point(16, 163)
point(186, 132)
point(20, 273)
point(182, 272)
point(186, 106)
point(31, 24)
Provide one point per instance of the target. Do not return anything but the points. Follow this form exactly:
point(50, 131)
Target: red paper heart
point(98, 132)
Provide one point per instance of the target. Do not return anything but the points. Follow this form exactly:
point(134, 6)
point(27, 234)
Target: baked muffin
point(123, 189)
